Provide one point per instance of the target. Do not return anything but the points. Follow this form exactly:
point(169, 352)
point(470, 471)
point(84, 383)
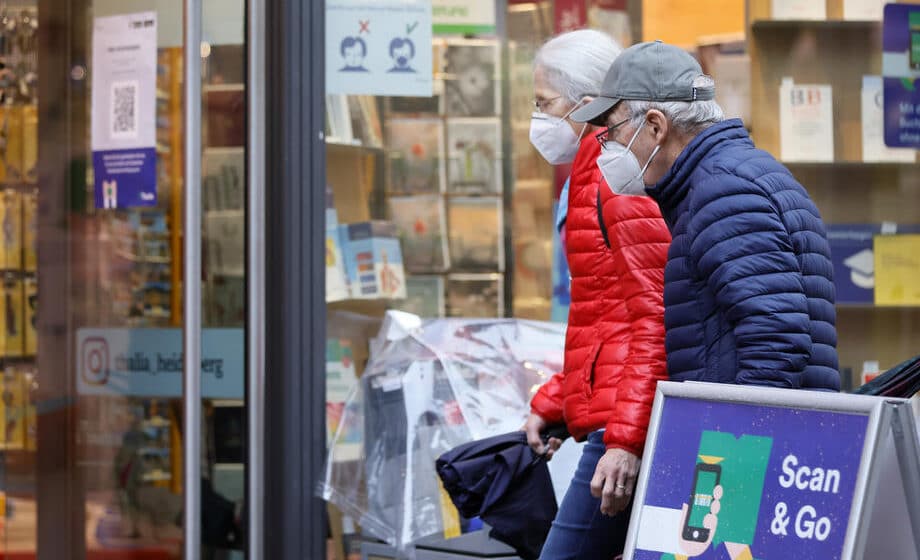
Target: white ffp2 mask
point(554, 138)
point(621, 168)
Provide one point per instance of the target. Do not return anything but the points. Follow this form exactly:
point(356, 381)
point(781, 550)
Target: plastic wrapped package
point(429, 386)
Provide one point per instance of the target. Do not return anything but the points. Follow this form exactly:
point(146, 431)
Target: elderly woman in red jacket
point(616, 248)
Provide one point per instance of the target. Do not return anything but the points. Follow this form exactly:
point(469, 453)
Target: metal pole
point(907, 449)
point(255, 305)
point(191, 301)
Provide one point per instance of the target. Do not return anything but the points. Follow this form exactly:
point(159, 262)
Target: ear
point(657, 125)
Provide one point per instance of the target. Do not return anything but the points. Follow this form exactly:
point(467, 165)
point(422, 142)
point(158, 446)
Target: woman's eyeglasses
point(542, 104)
point(604, 135)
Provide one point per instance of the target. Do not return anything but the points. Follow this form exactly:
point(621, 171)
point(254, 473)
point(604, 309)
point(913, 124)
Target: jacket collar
point(584, 168)
point(673, 187)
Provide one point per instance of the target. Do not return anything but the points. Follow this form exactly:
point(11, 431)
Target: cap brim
point(593, 111)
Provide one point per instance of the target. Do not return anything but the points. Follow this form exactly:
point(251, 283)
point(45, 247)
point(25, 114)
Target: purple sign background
point(830, 440)
point(901, 97)
point(134, 173)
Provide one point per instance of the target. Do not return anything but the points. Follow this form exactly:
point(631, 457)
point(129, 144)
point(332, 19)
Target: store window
point(93, 134)
point(460, 207)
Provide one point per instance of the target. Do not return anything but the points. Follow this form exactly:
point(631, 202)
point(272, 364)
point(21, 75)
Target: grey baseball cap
point(652, 71)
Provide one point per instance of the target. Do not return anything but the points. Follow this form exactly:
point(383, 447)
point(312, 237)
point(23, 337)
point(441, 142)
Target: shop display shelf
point(340, 146)
point(820, 24)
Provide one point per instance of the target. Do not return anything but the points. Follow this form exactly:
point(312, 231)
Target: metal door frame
point(295, 308)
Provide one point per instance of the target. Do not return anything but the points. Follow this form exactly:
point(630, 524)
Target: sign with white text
point(759, 473)
point(148, 363)
point(124, 74)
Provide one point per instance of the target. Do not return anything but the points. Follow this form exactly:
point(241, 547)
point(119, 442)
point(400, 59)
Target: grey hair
point(576, 62)
point(688, 117)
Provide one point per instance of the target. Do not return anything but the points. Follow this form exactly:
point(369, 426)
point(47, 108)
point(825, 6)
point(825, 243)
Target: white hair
point(576, 62)
point(688, 117)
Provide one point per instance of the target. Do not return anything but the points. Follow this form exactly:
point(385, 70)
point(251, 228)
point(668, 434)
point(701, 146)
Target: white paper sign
point(124, 74)
point(799, 9)
point(379, 47)
point(806, 126)
point(873, 122)
point(462, 17)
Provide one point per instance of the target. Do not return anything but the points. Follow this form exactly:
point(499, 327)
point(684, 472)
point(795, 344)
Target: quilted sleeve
point(639, 239)
point(740, 245)
point(547, 403)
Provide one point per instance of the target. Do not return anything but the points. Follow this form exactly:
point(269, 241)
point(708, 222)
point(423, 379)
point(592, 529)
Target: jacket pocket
point(589, 369)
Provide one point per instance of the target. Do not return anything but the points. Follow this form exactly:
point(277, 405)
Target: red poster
point(569, 15)
point(609, 4)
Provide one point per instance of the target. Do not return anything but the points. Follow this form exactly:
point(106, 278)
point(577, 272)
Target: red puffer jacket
point(614, 348)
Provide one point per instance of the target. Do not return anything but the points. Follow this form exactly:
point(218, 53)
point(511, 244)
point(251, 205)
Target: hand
point(710, 522)
point(614, 480)
point(533, 427)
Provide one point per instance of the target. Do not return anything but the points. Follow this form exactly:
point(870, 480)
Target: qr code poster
point(123, 85)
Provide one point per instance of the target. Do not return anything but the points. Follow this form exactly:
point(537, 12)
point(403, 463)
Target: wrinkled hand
point(533, 427)
point(710, 522)
point(614, 480)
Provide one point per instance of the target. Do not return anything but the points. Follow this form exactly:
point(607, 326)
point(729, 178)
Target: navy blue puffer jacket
point(749, 293)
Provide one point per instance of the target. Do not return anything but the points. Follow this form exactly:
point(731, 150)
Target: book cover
point(475, 295)
point(474, 156)
point(873, 120)
point(373, 260)
point(424, 296)
point(472, 79)
point(336, 281)
point(799, 9)
point(422, 226)
point(11, 216)
point(30, 231)
point(806, 122)
point(415, 156)
point(476, 234)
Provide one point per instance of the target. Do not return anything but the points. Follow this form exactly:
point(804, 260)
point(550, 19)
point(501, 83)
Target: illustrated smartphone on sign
point(705, 478)
point(914, 23)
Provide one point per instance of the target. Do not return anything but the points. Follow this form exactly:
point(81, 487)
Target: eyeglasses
point(542, 104)
point(604, 135)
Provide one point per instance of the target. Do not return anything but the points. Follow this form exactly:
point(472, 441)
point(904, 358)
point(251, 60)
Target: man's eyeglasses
point(604, 135)
point(542, 104)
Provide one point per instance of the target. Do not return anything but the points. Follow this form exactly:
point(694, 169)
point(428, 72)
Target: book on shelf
point(476, 233)
point(474, 164)
point(365, 120)
point(475, 295)
point(798, 9)
point(373, 260)
point(415, 156)
point(422, 226)
point(336, 281)
point(338, 120)
point(424, 296)
point(863, 10)
point(472, 78)
point(873, 121)
point(806, 122)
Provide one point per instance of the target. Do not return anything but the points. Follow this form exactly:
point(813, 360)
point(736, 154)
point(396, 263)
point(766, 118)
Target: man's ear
point(657, 125)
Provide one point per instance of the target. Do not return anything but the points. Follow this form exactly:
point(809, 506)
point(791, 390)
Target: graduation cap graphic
point(862, 269)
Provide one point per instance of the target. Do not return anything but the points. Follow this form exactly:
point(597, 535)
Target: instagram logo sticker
point(94, 361)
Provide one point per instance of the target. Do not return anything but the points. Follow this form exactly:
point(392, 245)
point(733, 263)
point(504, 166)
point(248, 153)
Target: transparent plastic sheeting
point(429, 386)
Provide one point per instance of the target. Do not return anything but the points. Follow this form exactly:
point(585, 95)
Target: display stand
point(471, 545)
point(824, 475)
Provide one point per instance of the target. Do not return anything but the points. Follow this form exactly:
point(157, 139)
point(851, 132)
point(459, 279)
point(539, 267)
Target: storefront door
point(128, 260)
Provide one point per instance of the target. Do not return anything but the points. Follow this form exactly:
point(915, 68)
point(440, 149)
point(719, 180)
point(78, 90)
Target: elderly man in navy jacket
point(749, 295)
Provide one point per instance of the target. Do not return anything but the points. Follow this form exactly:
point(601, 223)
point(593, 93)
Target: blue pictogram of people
point(402, 51)
point(353, 51)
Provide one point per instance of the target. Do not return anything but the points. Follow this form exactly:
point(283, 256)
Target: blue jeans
point(580, 530)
